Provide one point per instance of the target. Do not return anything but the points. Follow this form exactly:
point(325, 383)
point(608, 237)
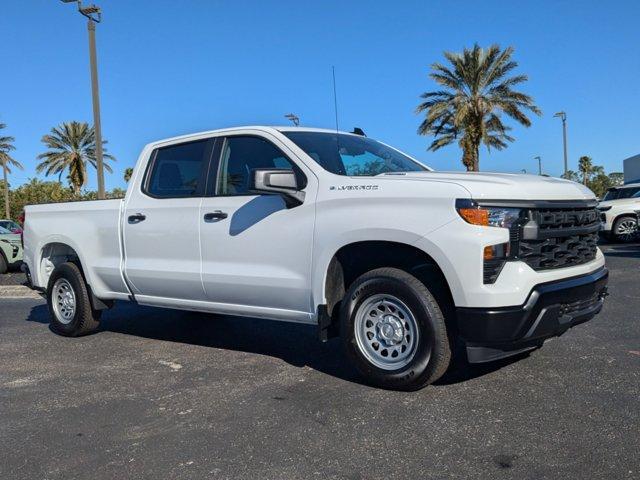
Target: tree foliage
point(617, 178)
point(6, 162)
point(128, 173)
point(71, 146)
point(36, 191)
point(585, 166)
point(594, 177)
point(6, 146)
point(477, 89)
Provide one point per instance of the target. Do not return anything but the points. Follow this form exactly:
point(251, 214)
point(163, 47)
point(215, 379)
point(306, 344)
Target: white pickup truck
point(337, 230)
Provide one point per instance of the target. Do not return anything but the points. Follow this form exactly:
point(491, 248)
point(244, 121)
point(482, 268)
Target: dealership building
point(632, 169)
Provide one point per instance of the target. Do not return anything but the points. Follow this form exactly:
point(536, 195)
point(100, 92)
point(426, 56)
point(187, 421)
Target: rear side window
point(240, 156)
point(177, 171)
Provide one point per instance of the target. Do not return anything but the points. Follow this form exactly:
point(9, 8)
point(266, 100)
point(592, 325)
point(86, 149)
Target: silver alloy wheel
point(386, 332)
point(63, 299)
point(627, 229)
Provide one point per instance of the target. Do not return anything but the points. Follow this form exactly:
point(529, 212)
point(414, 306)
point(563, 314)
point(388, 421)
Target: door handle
point(137, 218)
point(213, 216)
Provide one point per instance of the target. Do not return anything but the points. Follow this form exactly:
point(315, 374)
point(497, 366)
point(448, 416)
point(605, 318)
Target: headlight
point(473, 213)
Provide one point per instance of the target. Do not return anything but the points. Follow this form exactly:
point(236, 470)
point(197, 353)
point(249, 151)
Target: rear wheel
point(394, 330)
point(69, 303)
point(625, 229)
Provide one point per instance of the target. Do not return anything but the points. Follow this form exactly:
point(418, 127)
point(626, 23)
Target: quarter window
point(176, 170)
point(240, 156)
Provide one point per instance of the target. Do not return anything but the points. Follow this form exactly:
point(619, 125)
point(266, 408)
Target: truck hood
point(507, 186)
point(623, 202)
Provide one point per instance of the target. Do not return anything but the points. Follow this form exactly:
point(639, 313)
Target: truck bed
point(91, 228)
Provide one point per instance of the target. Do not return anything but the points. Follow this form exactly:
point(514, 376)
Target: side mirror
point(279, 181)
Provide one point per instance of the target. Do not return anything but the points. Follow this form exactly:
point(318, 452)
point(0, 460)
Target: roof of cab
point(264, 128)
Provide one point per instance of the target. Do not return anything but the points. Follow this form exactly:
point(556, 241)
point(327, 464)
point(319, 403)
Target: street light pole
point(91, 26)
point(94, 15)
point(539, 164)
point(563, 117)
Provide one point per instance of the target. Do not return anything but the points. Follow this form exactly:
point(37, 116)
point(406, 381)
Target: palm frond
point(477, 86)
point(70, 147)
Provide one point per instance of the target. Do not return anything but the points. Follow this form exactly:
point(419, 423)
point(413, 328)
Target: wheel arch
point(621, 215)
point(55, 253)
point(51, 255)
point(353, 259)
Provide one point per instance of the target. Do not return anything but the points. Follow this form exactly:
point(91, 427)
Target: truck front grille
point(558, 237)
point(559, 252)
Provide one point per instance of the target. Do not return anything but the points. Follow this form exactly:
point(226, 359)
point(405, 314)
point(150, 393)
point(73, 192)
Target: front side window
point(352, 155)
point(176, 170)
point(240, 156)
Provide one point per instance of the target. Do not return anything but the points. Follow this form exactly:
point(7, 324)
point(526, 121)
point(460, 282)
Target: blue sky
point(171, 67)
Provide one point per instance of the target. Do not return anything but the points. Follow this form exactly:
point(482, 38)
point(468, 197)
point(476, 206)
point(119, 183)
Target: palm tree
point(571, 175)
point(585, 166)
point(71, 146)
point(128, 173)
point(6, 145)
point(476, 92)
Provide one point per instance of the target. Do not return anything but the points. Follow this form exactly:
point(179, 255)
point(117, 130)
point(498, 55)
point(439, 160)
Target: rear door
point(161, 223)
point(256, 252)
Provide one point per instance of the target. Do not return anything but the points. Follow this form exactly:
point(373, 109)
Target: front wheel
point(625, 229)
point(394, 330)
point(69, 303)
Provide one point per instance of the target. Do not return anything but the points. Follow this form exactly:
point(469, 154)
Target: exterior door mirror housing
point(280, 181)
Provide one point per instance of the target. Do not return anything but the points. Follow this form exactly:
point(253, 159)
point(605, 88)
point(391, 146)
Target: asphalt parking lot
point(167, 394)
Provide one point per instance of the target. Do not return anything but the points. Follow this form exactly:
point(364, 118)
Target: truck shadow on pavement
point(293, 343)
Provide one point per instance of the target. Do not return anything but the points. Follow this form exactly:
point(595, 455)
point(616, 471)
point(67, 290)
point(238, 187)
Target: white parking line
point(17, 291)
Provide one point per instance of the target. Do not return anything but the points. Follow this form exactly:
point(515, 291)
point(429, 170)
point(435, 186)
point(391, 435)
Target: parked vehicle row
point(10, 225)
point(10, 250)
point(408, 265)
point(619, 213)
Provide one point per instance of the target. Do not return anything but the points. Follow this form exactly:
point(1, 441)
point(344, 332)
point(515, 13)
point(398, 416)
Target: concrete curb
point(17, 291)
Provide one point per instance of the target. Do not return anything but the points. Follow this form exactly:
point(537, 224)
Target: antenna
point(294, 118)
point(335, 97)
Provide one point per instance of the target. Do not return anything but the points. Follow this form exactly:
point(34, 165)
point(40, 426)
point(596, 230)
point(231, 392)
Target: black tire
point(432, 351)
point(4, 268)
point(84, 320)
point(625, 238)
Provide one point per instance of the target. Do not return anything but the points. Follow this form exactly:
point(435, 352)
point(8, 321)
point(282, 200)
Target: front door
point(256, 252)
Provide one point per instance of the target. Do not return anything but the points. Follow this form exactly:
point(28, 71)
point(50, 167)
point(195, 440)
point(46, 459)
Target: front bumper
point(550, 310)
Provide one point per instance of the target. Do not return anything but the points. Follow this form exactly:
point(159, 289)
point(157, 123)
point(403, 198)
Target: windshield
point(619, 193)
point(4, 231)
point(352, 155)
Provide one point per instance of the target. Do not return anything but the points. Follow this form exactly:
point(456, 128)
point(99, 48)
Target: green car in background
point(10, 249)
